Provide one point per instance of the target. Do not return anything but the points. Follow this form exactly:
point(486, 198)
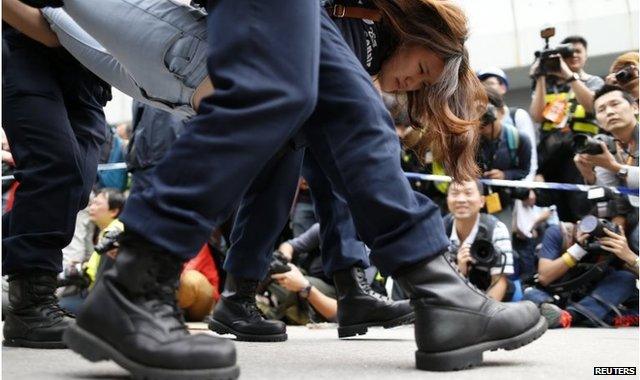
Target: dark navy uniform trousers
point(52, 115)
point(282, 68)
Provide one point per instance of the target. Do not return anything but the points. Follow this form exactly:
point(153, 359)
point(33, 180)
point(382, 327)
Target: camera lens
point(589, 224)
point(483, 252)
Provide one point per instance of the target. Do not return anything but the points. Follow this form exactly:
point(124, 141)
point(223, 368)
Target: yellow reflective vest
point(579, 120)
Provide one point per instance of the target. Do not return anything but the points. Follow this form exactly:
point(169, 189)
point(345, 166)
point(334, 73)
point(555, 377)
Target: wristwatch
point(304, 293)
point(622, 173)
point(574, 77)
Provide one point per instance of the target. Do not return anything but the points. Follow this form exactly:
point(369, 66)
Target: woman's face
point(411, 67)
point(99, 212)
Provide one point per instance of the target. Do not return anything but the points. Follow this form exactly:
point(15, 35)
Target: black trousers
point(53, 118)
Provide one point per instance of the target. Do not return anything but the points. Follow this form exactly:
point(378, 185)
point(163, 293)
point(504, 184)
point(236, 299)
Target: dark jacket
point(154, 131)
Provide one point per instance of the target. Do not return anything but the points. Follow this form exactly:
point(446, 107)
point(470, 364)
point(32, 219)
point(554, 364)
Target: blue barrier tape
point(444, 178)
point(101, 168)
point(525, 184)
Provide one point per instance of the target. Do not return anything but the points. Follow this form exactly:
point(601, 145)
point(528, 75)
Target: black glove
point(43, 3)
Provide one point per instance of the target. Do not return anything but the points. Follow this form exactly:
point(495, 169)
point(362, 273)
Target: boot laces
point(49, 301)
point(163, 304)
point(55, 310)
point(366, 287)
point(252, 310)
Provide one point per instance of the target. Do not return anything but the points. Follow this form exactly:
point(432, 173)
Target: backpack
point(487, 221)
point(513, 142)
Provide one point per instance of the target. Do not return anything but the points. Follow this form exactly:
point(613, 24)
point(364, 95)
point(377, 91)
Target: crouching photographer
point(480, 243)
point(613, 160)
point(293, 296)
point(583, 277)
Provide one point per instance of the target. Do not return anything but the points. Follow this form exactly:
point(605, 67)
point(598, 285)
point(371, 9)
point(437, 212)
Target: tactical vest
point(579, 120)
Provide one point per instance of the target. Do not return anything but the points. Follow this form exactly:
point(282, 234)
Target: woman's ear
point(114, 213)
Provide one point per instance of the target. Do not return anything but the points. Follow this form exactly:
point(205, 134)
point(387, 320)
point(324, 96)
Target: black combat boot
point(237, 313)
point(360, 307)
point(456, 322)
point(34, 318)
point(131, 317)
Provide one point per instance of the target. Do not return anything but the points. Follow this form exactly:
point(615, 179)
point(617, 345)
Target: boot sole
point(468, 357)
point(18, 342)
point(361, 329)
point(95, 349)
point(222, 329)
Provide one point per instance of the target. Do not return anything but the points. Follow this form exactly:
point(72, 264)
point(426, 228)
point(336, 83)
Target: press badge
point(492, 201)
point(556, 112)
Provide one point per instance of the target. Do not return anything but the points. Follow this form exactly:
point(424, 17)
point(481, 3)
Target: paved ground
point(381, 354)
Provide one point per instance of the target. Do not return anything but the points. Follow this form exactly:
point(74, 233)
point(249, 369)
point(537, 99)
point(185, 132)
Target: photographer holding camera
point(304, 293)
point(574, 267)
point(504, 153)
point(104, 209)
point(562, 103)
point(613, 160)
point(480, 243)
point(624, 73)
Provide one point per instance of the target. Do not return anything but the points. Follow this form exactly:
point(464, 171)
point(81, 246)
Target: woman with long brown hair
point(444, 108)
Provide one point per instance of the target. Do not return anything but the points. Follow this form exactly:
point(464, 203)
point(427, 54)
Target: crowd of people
point(253, 229)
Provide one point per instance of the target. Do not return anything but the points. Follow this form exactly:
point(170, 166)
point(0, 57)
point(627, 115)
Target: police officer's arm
point(29, 21)
point(498, 287)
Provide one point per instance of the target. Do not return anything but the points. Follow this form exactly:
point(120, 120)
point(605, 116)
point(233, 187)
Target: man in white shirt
point(480, 243)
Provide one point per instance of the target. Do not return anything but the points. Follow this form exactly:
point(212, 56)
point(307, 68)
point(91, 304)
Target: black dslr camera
point(626, 75)
point(585, 144)
point(550, 57)
point(279, 264)
point(108, 242)
point(596, 223)
point(595, 228)
point(483, 251)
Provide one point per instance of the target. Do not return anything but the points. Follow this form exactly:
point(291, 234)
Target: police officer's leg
point(352, 137)
point(266, 81)
point(344, 258)
point(341, 248)
point(261, 217)
point(49, 169)
point(85, 96)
